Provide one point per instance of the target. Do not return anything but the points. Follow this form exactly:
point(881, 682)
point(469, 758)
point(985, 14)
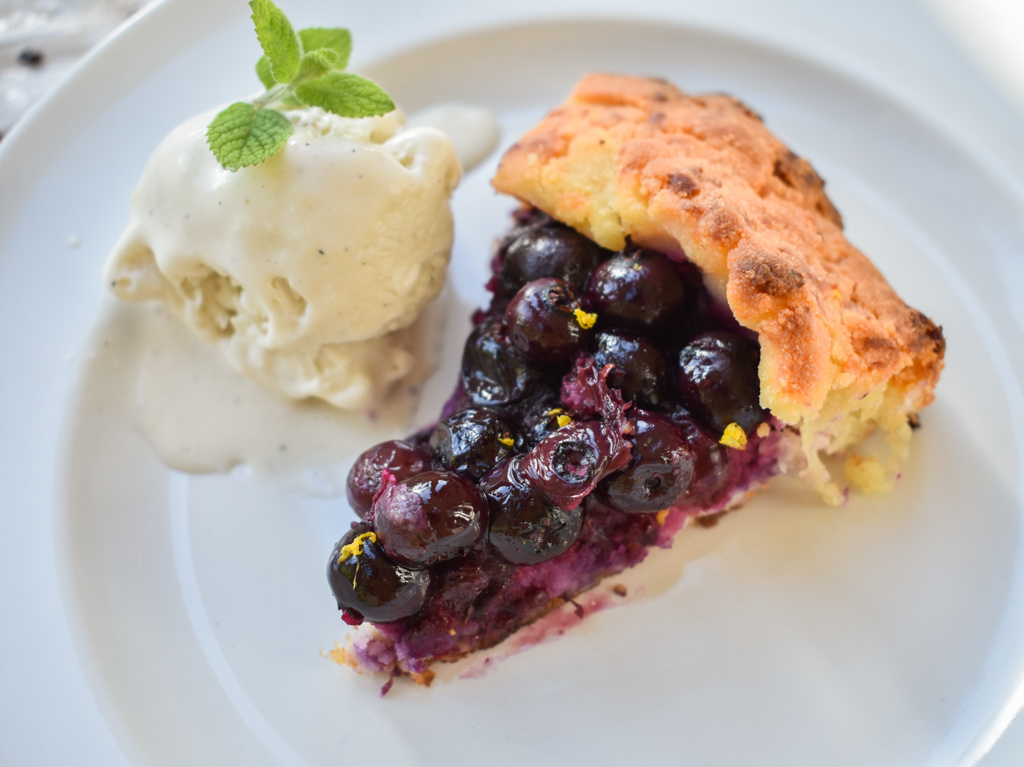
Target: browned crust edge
point(632, 160)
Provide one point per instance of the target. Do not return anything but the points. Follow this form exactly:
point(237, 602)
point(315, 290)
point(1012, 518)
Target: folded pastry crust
point(629, 160)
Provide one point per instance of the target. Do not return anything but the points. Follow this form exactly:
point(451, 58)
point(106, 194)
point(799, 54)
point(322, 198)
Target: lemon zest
point(355, 548)
point(507, 441)
point(734, 436)
point(560, 417)
point(586, 320)
point(662, 516)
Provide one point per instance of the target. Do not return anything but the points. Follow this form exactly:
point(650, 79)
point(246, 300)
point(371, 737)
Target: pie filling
point(605, 400)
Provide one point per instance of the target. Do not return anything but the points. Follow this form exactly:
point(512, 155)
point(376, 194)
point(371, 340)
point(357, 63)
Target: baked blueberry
point(401, 458)
point(550, 250)
point(659, 471)
point(639, 367)
point(637, 290)
point(709, 484)
point(717, 380)
point(473, 441)
point(493, 372)
point(547, 323)
point(568, 463)
point(525, 527)
point(428, 518)
point(367, 584)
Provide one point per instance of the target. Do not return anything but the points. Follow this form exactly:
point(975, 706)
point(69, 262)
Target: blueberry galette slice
point(676, 318)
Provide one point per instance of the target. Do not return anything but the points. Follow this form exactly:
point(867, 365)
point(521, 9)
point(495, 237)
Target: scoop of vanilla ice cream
point(307, 270)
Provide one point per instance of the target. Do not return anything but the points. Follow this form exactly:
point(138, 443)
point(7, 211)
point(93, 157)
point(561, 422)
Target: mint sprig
point(304, 68)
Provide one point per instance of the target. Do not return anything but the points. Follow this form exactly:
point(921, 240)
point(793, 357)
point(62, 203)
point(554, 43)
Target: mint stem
point(274, 95)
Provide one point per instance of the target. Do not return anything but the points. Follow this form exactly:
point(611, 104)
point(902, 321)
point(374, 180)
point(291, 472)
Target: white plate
point(177, 620)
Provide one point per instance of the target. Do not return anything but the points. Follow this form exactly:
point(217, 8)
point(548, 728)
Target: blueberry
point(637, 290)
point(525, 527)
point(401, 458)
point(660, 468)
point(552, 250)
point(428, 518)
point(493, 372)
point(538, 415)
point(717, 380)
point(568, 463)
point(640, 368)
point(710, 463)
point(368, 584)
point(473, 441)
point(547, 323)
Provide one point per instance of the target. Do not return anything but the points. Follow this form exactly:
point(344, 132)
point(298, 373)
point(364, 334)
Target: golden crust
point(635, 160)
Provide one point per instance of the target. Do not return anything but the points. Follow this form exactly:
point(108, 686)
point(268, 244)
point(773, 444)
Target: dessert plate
point(159, 618)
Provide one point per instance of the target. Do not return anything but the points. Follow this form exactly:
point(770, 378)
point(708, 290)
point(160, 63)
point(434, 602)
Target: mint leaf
point(263, 72)
point(277, 38)
point(338, 40)
point(297, 70)
point(244, 135)
point(346, 95)
point(315, 64)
